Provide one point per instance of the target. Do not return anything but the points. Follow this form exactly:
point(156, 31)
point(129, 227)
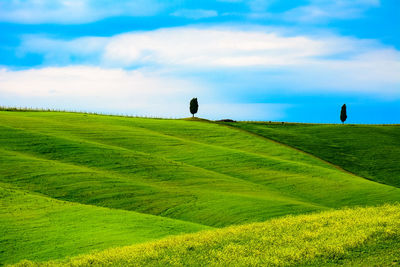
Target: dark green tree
point(343, 113)
point(194, 106)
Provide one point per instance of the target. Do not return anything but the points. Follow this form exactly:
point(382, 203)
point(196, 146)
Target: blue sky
point(244, 59)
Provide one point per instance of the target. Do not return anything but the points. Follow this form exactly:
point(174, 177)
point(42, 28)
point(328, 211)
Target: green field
point(329, 238)
point(41, 228)
point(74, 183)
point(369, 151)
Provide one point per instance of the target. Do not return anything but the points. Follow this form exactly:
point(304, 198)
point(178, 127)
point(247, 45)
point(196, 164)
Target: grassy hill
point(41, 228)
point(328, 238)
point(370, 151)
point(196, 174)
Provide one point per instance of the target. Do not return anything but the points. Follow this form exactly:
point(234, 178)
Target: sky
point(269, 60)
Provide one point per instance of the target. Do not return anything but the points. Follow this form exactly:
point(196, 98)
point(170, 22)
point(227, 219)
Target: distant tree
point(343, 113)
point(194, 106)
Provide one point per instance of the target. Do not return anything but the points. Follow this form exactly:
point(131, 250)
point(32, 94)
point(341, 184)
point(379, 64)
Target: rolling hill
point(370, 151)
point(159, 177)
point(327, 238)
point(41, 228)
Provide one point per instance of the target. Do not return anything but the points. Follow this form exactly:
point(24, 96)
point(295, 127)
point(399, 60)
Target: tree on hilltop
point(194, 106)
point(343, 113)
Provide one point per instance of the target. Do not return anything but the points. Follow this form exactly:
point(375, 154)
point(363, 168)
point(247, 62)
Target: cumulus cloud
point(74, 11)
point(196, 47)
point(209, 47)
point(84, 88)
point(330, 63)
point(95, 88)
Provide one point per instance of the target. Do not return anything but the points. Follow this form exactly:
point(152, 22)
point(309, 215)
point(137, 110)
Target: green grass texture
point(36, 227)
point(370, 151)
point(190, 171)
point(322, 239)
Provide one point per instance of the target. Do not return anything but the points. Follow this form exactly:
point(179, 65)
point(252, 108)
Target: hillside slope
point(62, 166)
point(327, 238)
point(194, 171)
point(370, 151)
point(40, 228)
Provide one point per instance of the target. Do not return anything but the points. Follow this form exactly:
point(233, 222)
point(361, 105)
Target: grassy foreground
point(40, 228)
point(75, 183)
point(370, 151)
point(319, 239)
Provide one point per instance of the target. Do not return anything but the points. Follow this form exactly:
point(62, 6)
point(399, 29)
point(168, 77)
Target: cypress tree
point(343, 113)
point(194, 106)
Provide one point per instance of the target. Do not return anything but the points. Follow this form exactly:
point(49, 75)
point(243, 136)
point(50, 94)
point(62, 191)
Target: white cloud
point(209, 47)
point(141, 93)
point(192, 47)
point(94, 88)
point(195, 13)
point(373, 72)
point(328, 63)
point(73, 11)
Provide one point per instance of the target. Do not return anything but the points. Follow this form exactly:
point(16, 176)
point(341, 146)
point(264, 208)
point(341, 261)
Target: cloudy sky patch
point(245, 59)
